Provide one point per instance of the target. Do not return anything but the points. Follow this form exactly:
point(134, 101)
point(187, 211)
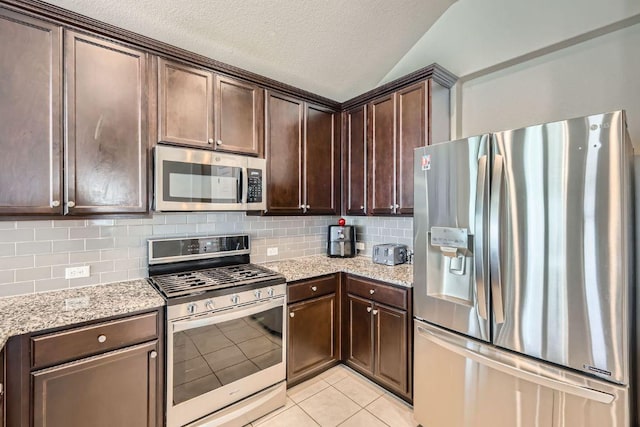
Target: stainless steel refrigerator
point(524, 278)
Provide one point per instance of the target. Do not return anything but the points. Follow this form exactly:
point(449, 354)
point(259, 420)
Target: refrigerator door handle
point(478, 239)
point(494, 237)
point(561, 386)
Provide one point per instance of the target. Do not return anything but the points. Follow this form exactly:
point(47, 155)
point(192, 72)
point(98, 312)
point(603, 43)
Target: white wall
point(598, 75)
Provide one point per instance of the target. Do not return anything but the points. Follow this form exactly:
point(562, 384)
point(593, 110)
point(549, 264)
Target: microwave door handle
point(494, 236)
point(244, 185)
point(478, 239)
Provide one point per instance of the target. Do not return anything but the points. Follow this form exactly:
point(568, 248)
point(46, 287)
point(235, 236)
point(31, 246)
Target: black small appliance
point(341, 241)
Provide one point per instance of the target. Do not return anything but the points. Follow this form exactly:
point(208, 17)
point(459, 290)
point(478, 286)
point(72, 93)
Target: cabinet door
point(185, 104)
point(239, 116)
point(30, 115)
point(2, 387)
point(391, 340)
point(356, 162)
point(312, 341)
point(106, 124)
point(284, 154)
point(321, 161)
point(412, 133)
point(114, 389)
point(382, 154)
point(360, 333)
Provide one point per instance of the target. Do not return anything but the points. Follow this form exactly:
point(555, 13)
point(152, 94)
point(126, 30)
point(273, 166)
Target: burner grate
point(189, 282)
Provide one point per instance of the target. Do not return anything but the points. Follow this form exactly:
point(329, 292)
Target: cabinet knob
point(391, 207)
point(102, 338)
point(55, 203)
point(292, 314)
point(302, 206)
point(368, 309)
point(153, 354)
point(362, 207)
point(314, 288)
point(308, 207)
point(375, 312)
point(210, 141)
point(71, 203)
point(218, 142)
point(372, 291)
point(397, 206)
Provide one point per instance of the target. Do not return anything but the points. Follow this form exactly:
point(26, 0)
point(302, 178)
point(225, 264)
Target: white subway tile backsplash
point(8, 225)
point(7, 249)
point(17, 288)
point(33, 274)
point(110, 254)
point(7, 276)
point(51, 284)
point(84, 232)
point(33, 224)
point(26, 248)
point(87, 256)
point(53, 259)
point(17, 235)
point(102, 243)
point(68, 246)
point(52, 233)
point(13, 262)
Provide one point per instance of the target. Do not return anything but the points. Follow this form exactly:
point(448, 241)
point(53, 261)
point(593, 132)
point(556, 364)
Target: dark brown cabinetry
point(104, 169)
point(201, 109)
point(377, 334)
point(313, 337)
point(106, 127)
point(355, 161)
point(2, 387)
point(30, 115)
point(103, 374)
point(302, 157)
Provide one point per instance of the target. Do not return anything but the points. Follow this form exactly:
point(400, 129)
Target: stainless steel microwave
point(188, 179)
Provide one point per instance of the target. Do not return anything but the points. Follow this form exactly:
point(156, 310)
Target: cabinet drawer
point(77, 343)
point(378, 292)
point(311, 288)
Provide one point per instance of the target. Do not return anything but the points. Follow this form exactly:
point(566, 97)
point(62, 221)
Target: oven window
point(199, 183)
point(209, 357)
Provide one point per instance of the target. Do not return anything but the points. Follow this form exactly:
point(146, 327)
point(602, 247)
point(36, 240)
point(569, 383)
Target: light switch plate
point(76, 272)
point(272, 251)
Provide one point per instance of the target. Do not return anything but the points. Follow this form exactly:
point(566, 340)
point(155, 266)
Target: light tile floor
point(339, 397)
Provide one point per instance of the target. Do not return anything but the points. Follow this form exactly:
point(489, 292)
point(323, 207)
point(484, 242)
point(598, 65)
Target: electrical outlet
point(76, 272)
point(272, 251)
point(360, 246)
point(76, 303)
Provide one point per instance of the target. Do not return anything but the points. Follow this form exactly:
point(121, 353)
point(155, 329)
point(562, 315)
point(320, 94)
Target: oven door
point(195, 180)
point(220, 358)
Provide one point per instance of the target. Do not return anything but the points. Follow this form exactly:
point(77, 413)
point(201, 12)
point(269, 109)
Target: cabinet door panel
point(284, 154)
point(356, 162)
point(321, 159)
point(360, 333)
point(312, 335)
point(185, 97)
point(115, 389)
point(382, 154)
point(106, 119)
point(3, 388)
point(412, 133)
point(238, 116)
point(391, 346)
point(30, 115)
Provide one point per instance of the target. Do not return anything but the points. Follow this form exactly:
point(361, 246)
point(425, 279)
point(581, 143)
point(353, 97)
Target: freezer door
point(561, 243)
point(459, 382)
point(451, 195)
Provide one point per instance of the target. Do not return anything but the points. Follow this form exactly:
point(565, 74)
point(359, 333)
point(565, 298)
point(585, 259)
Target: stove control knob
point(209, 305)
point(235, 299)
point(258, 293)
point(192, 308)
point(270, 292)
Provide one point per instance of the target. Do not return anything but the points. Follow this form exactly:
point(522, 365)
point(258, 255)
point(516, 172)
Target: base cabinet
point(2, 387)
point(377, 333)
point(313, 327)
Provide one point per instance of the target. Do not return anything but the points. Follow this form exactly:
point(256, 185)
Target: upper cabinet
point(104, 168)
point(30, 115)
point(302, 157)
point(398, 123)
point(106, 127)
point(201, 109)
point(355, 161)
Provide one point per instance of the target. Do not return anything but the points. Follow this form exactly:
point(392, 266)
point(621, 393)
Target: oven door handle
point(223, 316)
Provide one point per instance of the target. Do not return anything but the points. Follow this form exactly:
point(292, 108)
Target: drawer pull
point(153, 354)
point(375, 312)
point(368, 309)
point(102, 338)
point(292, 314)
point(314, 288)
point(372, 291)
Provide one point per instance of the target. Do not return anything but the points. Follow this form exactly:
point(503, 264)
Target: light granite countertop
point(318, 265)
point(33, 312)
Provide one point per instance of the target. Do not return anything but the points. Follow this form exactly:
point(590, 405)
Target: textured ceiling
point(334, 48)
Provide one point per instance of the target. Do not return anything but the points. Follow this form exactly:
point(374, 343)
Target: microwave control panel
point(254, 191)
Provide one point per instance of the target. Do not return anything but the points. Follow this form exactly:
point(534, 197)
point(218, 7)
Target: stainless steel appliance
point(524, 278)
point(188, 179)
point(389, 254)
point(226, 351)
point(341, 241)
